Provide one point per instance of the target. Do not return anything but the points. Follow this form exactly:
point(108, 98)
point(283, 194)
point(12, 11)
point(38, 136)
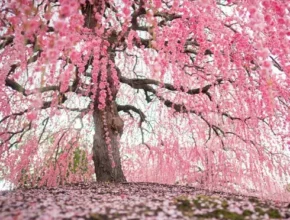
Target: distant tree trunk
point(101, 154)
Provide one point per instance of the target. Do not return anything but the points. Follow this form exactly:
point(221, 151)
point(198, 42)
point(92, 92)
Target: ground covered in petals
point(134, 201)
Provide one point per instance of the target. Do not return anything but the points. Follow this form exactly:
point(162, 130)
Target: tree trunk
point(107, 122)
point(107, 162)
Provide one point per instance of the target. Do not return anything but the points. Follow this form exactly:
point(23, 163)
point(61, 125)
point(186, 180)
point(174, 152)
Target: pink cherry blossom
point(157, 91)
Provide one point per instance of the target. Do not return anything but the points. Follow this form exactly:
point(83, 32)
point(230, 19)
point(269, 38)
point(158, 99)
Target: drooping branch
point(45, 105)
point(22, 132)
point(142, 42)
point(15, 86)
point(235, 118)
point(14, 114)
point(145, 84)
point(6, 41)
point(44, 123)
point(81, 110)
point(148, 88)
point(19, 88)
point(141, 84)
point(128, 108)
point(276, 64)
point(167, 16)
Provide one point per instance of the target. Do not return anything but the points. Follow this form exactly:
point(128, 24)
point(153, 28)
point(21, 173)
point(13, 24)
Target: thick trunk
point(107, 161)
point(107, 122)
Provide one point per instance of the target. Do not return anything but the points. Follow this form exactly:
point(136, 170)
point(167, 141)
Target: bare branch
point(82, 110)
point(44, 106)
point(128, 108)
point(44, 122)
point(141, 84)
point(7, 41)
point(235, 118)
point(240, 137)
point(25, 129)
point(276, 64)
point(17, 87)
point(14, 114)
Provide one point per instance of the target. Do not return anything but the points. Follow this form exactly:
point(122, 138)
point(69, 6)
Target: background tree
point(202, 85)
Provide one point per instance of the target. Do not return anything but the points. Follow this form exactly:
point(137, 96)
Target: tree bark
point(104, 170)
point(107, 122)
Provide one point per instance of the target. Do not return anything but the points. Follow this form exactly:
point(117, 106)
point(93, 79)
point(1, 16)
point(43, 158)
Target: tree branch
point(44, 122)
point(235, 118)
point(7, 41)
point(17, 87)
point(44, 106)
point(128, 108)
point(142, 84)
point(12, 134)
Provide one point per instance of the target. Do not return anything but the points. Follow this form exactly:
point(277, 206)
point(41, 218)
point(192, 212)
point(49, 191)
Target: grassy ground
point(134, 201)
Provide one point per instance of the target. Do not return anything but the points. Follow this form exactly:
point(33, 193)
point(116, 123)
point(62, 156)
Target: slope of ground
point(134, 201)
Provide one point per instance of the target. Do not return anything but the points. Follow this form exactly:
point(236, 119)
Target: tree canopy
point(194, 91)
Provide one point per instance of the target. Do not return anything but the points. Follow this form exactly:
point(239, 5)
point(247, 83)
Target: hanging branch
point(44, 122)
point(128, 108)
